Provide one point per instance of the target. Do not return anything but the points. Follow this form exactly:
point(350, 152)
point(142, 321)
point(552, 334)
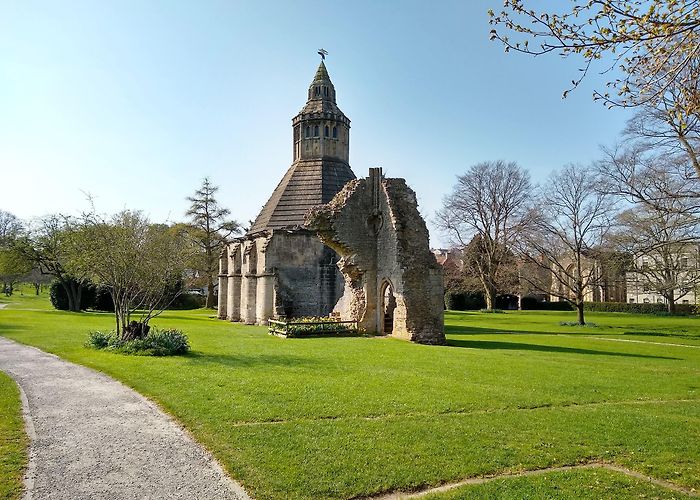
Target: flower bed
point(312, 327)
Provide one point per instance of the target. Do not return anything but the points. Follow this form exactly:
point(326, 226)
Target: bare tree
point(652, 43)
point(489, 202)
point(140, 263)
point(13, 265)
point(569, 224)
point(46, 246)
point(473, 258)
point(643, 174)
point(209, 230)
point(11, 227)
point(663, 125)
point(664, 244)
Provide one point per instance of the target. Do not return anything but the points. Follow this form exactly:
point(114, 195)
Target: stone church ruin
point(375, 266)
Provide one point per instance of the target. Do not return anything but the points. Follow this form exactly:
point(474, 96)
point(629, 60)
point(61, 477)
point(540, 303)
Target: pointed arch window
point(316, 133)
point(317, 91)
point(326, 132)
point(335, 132)
point(308, 131)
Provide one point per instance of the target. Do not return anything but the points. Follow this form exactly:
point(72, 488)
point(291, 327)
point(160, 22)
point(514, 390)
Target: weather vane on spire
point(323, 53)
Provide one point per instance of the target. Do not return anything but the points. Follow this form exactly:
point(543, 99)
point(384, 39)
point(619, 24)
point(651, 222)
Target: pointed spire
point(321, 88)
point(321, 74)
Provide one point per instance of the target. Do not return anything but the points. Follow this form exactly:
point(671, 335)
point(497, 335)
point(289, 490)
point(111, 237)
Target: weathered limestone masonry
point(280, 268)
point(393, 284)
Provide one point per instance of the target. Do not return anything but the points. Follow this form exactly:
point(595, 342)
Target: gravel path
point(92, 437)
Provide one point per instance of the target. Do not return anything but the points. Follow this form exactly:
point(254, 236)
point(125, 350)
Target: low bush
point(638, 308)
point(103, 299)
point(101, 340)
point(95, 297)
point(532, 304)
point(59, 297)
point(491, 311)
point(576, 323)
point(464, 301)
point(312, 326)
point(156, 343)
point(188, 301)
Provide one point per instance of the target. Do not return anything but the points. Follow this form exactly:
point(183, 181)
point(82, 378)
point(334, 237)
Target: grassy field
point(361, 416)
point(13, 440)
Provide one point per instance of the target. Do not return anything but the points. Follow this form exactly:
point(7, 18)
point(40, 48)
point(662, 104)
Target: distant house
point(608, 282)
point(658, 271)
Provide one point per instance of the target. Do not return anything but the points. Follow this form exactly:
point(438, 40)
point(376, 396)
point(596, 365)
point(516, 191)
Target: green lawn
point(592, 484)
point(361, 416)
point(13, 440)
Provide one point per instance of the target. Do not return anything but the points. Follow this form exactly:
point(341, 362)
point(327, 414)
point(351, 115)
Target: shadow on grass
point(660, 334)
point(517, 346)
point(7, 328)
point(201, 359)
point(473, 330)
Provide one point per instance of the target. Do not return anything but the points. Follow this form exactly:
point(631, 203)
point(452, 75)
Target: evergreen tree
point(209, 229)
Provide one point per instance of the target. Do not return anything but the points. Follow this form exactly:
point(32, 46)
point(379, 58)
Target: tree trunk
point(74, 297)
point(37, 288)
point(579, 312)
point(671, 304)
point(69, 295)
point(490, 296)
point(210, 293)
point(135, 330)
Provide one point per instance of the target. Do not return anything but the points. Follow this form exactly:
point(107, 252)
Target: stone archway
point(387, 306)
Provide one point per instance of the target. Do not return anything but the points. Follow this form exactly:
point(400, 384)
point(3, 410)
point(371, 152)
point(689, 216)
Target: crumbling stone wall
point(375, 226)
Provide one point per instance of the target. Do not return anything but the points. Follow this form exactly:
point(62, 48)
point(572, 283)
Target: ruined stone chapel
point(281, 268)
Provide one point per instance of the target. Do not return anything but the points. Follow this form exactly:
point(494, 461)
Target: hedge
point(638, 307)
point(530, 303)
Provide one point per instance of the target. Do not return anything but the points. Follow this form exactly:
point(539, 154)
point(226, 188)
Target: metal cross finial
point(323, 53)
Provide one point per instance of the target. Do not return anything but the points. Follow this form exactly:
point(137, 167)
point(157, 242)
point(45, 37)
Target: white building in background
point(686, 265)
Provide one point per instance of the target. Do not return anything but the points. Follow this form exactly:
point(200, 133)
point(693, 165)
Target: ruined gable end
point(393, 284)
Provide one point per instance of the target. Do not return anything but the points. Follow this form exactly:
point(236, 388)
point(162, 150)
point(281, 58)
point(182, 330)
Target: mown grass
point(348, 417)
point(13, 440)
point(586, 484)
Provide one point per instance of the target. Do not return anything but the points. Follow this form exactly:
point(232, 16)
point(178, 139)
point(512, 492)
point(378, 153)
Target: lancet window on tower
point(326, 132)
point(316, 131)
point(335, 132)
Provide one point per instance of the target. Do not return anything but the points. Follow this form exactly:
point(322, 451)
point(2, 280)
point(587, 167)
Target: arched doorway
point(388, 306)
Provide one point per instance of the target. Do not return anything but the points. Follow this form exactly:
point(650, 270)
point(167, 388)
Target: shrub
point(311, 325)
point(59, 297)
point(103, 299)
point(101, 340)
point(531, 303)
point(638, 308)
point(188, 301)
point(464, 301)
point(491, 311)
point(156, 343)
point(576, 323)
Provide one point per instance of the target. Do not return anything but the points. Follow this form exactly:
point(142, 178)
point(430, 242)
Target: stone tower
point(280, 268)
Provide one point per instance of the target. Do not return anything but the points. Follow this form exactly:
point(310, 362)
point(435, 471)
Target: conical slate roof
point(305, 185)
point(311, 181)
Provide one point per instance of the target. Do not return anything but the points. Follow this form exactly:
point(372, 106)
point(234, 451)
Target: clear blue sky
point(135, 102)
